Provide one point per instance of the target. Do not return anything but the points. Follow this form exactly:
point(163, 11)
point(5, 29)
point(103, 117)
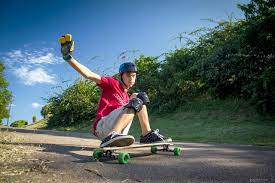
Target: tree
point(258, 8)
point(46, 111)
point(5, 94)
point(259, 43)
point(19, 123)
point(34, 119)
point(234, 58)
point(73, 105)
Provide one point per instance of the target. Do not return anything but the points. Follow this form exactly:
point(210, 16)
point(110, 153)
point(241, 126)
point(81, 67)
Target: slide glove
point(67, 46)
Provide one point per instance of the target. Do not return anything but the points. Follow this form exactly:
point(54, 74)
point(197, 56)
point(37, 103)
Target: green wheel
point(97, 154)
point(177, 151)
point(123, 158)
point(154, 149)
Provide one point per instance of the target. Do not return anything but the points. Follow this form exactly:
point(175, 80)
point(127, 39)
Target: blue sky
point(102, 30)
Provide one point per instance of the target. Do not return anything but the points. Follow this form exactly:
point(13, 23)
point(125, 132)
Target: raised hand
point(67, 46)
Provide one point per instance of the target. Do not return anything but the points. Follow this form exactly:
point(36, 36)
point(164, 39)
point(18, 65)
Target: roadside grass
point(80, 127)
point(84, 127)
point(231, 121)
point(41, 124)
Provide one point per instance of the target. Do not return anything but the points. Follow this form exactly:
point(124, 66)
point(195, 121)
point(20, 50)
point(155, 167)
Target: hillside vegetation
point(217, 86)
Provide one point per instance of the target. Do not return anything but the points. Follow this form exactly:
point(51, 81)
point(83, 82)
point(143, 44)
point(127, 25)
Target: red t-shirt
point(112, 97)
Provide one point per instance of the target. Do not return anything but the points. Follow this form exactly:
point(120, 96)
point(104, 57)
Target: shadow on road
point(66, 150)
point(50, 132)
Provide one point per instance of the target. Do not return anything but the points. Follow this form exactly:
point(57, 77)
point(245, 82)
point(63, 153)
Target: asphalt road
point(69, 160)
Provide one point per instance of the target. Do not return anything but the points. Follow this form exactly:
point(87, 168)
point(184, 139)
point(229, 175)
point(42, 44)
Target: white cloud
point(29, 63)
point(30, 56)
point(33, 76)
point(15, 54)
point(36, 105)
point(48, 58)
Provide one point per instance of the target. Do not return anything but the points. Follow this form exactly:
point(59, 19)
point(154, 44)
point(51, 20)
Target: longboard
point(124, 157)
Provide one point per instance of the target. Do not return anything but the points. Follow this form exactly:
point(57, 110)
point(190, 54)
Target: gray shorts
point(105, 124)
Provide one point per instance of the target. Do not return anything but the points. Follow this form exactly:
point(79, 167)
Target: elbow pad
point(135, 104)
point(144, 97)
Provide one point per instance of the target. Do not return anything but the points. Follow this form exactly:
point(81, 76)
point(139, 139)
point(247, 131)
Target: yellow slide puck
point(62, 40)
point(68, 37)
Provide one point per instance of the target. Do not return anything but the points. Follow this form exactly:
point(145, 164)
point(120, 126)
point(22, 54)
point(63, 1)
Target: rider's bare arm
point(67, 48)
point(84, 71)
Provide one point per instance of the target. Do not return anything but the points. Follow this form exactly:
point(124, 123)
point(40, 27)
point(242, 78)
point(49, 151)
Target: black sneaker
point(117, 140)
point(154, 136)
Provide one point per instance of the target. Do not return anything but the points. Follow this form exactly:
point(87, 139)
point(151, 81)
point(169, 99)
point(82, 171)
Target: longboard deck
point(137, 145)
point(123, 157)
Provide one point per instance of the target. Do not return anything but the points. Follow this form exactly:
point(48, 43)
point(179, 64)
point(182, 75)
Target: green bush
point(231, 59)
point(147, 79)
point(74, 105)
point(241, 60)
point(19, 123)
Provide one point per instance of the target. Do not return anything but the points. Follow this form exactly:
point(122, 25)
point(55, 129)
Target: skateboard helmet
point(127, 67)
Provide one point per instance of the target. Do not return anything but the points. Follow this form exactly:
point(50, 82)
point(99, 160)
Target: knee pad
point(135, 104)
point(144, 97)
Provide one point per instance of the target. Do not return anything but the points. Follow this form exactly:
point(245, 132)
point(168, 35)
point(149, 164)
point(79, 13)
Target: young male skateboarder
point(116, 109)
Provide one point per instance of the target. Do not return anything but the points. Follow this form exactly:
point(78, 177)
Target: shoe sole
point(119, 142)
point(167, 140)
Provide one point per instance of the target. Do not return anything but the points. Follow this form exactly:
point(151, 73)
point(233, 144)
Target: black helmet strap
point(122, 79)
